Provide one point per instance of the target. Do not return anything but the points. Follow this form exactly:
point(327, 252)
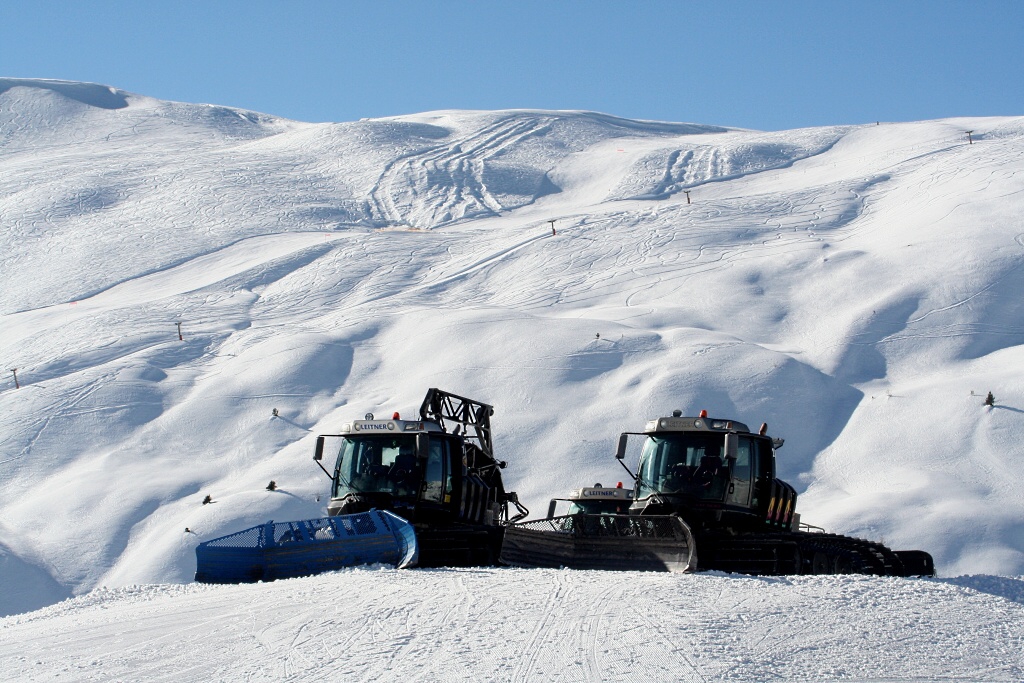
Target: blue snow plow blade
point(311, 546)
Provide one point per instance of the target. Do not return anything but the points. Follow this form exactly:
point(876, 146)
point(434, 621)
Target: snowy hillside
point(858, 288)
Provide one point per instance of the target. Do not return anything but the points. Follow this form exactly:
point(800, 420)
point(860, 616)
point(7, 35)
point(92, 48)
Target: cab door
point(743, 469)
point(436, 478)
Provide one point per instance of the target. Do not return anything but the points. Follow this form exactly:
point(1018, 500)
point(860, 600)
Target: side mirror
point(732, 446)
point(421, 446)
point(318, 455)
point(551, 508)
point(620, 452)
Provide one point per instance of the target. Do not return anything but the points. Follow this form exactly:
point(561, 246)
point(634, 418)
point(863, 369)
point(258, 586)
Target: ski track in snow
point(520, 625)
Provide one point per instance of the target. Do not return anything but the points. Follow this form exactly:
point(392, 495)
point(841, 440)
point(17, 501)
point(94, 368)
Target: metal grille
point(610, 526)
point(250, 538)
point(304, 531)
point(609, 542)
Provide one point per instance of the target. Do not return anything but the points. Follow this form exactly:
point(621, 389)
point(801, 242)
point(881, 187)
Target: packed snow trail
point(369, 624)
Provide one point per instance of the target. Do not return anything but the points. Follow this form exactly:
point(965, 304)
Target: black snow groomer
point(709, 487)
point(437, 471)
point(289, 549)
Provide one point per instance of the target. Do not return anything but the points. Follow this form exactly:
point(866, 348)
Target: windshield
point(377, 464)
point(690, 463)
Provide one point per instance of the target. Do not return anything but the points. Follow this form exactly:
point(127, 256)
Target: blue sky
point(755, 64)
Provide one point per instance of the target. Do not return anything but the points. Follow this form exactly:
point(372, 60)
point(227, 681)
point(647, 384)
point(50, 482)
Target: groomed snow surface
point(856, 287)
point(369, 624)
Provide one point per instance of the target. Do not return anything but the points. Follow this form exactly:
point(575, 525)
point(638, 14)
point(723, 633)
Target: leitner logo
point(376, 427)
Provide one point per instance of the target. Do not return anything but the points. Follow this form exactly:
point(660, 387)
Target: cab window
point(689, 463)
point(739, 491)
point(434, 477)
point(376, 464)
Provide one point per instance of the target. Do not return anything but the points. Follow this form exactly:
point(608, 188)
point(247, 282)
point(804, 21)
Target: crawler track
point(809, 553)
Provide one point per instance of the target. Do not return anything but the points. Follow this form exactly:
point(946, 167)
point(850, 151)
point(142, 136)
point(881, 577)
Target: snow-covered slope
point(858, 288)
point(529, 625)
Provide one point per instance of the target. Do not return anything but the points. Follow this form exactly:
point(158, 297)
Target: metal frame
point(443, 408)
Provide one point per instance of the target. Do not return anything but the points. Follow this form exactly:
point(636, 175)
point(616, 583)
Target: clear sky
point(755, 64)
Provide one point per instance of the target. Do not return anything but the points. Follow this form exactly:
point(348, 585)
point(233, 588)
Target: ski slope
point(525, 625)
point(856, 287)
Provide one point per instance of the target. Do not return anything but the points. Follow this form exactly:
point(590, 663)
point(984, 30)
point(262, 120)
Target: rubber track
point(767, 554)
point(863, 557)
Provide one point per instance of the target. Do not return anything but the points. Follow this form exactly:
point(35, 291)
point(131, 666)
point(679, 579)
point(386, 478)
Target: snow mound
point(666, 171)
point(89, 94)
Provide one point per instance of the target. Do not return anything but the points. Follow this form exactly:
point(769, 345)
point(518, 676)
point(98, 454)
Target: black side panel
point(765, 554)
point(781, 505)
point(459, 546)
point(476, 496)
